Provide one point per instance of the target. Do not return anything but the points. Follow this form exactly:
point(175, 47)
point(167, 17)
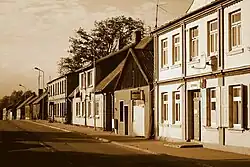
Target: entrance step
point(183, 144)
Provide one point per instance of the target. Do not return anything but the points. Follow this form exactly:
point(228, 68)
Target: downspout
point(221, 64)
point(184, 72)
point(156, 86)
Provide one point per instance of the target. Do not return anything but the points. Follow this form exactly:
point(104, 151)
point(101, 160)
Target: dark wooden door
point(126, 119)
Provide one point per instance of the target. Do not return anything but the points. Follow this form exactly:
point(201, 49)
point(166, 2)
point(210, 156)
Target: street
point(27, 144)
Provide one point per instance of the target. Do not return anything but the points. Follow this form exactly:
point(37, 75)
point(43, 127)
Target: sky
point(35, 33)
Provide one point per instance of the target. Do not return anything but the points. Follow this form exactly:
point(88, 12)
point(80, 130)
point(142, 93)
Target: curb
point(101, 139)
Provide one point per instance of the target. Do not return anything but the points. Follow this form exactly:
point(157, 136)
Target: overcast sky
point(36, 32)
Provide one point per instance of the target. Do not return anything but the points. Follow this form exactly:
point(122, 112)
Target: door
point(138, 120)
point(126, 119)
point(196, 114)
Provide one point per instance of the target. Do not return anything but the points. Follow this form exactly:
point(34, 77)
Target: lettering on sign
point(136, 95)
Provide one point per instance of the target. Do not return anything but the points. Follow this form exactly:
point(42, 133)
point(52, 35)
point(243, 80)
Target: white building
point(202, 68)
point(59, 106)
point(83, 101)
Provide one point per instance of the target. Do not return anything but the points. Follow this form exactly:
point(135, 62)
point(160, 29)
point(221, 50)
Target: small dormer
point(196, 4)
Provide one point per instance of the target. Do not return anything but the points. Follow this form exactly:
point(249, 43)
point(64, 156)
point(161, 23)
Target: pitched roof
point(108, 79)
point(187, 15)
point(40, 98)
point(144, 42)
point(32, 100)
point(125, 48)
point(72, 94)
point(25, 101)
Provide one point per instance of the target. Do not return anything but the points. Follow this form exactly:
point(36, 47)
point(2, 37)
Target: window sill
point(176, 125)
point(165, 68)
point(211, 128)
point(236, 129)
point(236, 51)
point(196, 61)
point(175, 66)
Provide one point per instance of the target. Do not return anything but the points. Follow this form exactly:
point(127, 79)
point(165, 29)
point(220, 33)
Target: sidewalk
point(156, 147)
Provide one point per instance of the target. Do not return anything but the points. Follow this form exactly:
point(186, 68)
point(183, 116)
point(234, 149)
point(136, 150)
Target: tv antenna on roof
point(157, 12)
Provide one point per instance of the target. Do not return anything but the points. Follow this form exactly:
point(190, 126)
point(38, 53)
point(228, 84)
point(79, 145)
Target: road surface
point(26, 144)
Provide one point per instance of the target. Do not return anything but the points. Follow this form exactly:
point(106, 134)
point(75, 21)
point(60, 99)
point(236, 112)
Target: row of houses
point(187, 81)
point(32, 107)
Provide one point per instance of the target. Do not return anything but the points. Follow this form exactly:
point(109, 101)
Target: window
point(83, 108)
point(83, 82)
point(78, 109)
point(176, 49)
point(213, 37)
point(90, 78)
point(211, 115)
point(65, 109)
point(89, 108)
point(235, 30)
point(97, 108)
point(164, 53)
point(176, 106)
point(164, 107)
point(194, 40)
point(237, 106)
point(121, 110)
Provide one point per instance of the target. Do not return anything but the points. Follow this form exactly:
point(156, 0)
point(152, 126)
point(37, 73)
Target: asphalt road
point(27, 144)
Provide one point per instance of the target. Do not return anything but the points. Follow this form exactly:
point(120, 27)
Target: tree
point(99, 41)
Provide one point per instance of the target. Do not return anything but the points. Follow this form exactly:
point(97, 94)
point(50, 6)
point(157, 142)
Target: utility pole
point(156, 14)
point(94, 92)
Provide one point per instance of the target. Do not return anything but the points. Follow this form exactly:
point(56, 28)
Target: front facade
point(133, 95)
point(59, 106)
point(202, 66)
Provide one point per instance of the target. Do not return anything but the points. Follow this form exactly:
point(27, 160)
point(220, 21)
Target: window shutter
point(230, 106)
point(204, 109)
point(244, 107)
point(173, 108)
point(224, 106)
point(218, 107)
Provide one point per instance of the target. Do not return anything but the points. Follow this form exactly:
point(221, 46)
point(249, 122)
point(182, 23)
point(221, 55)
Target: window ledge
point(194, 62)
point(165, 68)
point(176, 125)
point(236, 51)
point(210, 127)
point(175, 66)
point(236, 129)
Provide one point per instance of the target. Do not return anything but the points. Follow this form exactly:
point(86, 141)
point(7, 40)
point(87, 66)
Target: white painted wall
point(240, 56)
point(199, 65)
point(168, 129)
point(172, 71)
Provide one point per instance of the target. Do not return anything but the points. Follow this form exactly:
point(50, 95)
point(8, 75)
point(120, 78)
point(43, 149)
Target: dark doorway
point(126, 119)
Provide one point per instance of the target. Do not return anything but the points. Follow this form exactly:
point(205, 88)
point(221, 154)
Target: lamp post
point(25, 90)
point(36, 68)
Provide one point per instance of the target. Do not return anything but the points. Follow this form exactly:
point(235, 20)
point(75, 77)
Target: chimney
point(40, 92)
point(136, 36)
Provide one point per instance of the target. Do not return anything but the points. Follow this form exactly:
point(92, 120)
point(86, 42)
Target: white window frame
point(90, 114)
point(83, 80)
point(83, 109)
point(238, 35)
point(164, 102)
point(176, 101)
point(194, 39)
point(213, 37)
point(164, 49)
point(176, 46)
point(90, 78)
point(213, 120)
point(239, 100)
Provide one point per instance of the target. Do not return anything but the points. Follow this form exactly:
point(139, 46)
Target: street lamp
point(36, 68)
point(25, 90)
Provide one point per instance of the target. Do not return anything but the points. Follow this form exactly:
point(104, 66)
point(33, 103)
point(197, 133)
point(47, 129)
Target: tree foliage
point(14, 98)
point(97, 43)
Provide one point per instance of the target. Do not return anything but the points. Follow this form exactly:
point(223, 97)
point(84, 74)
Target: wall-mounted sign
point(137, 95)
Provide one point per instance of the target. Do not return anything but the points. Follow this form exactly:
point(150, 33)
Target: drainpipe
point(184, 72)
point(221, 64)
